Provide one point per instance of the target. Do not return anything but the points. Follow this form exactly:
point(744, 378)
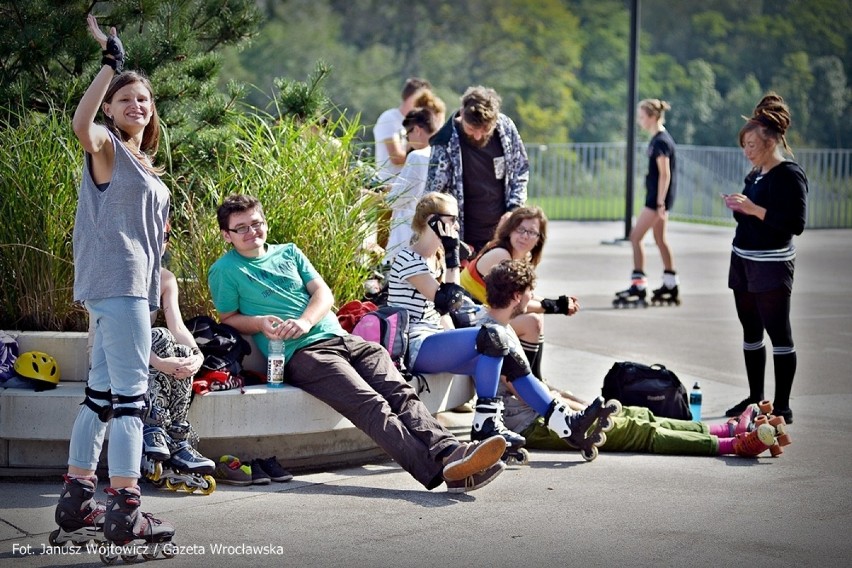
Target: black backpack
point(635, 384)
point(222, 346)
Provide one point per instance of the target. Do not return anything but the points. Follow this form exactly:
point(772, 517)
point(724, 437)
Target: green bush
point(310, 192)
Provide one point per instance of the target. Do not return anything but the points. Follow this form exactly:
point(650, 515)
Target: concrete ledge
point(302, 431)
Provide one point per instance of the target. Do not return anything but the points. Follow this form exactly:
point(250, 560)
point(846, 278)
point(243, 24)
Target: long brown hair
point(151, 135)
point(502, 236)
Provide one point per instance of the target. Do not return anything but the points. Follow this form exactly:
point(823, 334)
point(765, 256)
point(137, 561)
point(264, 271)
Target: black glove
point(114, 48)
point(559, 306)
point(450, 243)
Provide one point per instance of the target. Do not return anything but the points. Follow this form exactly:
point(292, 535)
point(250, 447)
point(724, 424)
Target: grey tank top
point(118, 232)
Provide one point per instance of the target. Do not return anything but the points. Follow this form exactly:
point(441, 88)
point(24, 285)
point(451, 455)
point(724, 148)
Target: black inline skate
point(584, 430)
point(171, 462)
point(488, 421)
point(665, 296)
point(634, 296)
point(129, 533)
point(79, 516)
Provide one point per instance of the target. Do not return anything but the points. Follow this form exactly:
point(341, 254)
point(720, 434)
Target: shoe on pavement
point(477, 480)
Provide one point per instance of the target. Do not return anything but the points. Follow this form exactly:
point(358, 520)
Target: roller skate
point(586, 429)
point(745, 422)
point(488, 421)
point(665, 296)
point(634, 296)
point(183, 468)
point(128, 532)
point(765, 436)
point(79, 516)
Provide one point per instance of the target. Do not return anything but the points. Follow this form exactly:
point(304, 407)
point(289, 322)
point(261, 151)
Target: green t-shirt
point(273, 284)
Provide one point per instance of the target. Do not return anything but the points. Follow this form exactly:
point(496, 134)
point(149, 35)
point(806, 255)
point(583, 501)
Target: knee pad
point(448, 297)
point(491, 340)
point(515, 366)
point(119, 411)
point(104, 411)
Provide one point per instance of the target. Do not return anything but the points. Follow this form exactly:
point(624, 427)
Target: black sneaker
point(273, 469)
point(258, 476)
point(785, 413)
point(740, 407)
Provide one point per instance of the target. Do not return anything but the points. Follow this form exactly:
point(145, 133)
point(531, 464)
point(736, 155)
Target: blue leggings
point(454, 351)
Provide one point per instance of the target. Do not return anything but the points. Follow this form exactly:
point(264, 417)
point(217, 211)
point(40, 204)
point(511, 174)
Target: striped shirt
point(401, 293)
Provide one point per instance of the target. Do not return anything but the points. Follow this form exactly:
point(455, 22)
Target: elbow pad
point(448, 297)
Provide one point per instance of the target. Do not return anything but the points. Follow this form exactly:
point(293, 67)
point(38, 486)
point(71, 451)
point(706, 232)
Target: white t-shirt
point(387, 126)
point(406, 190)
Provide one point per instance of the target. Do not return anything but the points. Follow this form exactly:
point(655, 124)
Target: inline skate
point(79, 516)
point(634, 296)
point(665, 296)
point(171, 462)
point(129, 533)
point(488, 421)
point(584, 430)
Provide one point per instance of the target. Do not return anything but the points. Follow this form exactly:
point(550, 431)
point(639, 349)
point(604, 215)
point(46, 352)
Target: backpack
point(655, 387)
point(388, 326)
point(222, 346)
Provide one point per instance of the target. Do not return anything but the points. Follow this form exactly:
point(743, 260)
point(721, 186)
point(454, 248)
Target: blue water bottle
point(695, 402)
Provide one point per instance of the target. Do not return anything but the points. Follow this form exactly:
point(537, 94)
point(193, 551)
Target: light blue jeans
point(120, 354)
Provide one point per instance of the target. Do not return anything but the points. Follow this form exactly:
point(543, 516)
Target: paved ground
point(621, 509)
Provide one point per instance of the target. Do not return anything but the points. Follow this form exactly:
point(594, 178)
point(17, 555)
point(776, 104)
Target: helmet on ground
point(39, 367)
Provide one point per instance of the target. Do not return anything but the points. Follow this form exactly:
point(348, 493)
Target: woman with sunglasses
point(520, 237)
point(422, 280)
point(407, 187)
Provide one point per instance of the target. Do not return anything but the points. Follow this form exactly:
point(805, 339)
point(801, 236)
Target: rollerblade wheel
point(51, 538)
point(598, 439)
point(525, 456)
point(108, 558)
point(589, 455)
point(174, 486)
point(210, 487)
point(130, 558)
point(168, 549)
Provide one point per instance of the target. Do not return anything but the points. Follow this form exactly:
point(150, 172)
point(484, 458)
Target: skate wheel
point(598, 439)
point(168, 550)
point(589, 455)
point(159, 483)
point(524, 456)
point(130, 558)
point(174, 486)
point(614, 406)
point(108, 558)
point(775, 450)
point(777, 420)
point(784, 440)
point(151, 555)
point(210, 487)
point(762, 419)
point(765, 406)
point(51, 538)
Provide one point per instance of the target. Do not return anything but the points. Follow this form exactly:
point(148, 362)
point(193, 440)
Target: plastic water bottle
point(275, 364)
point(695, 402)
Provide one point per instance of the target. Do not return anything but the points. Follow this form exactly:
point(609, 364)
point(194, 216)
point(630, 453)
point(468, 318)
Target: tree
point(47, 58)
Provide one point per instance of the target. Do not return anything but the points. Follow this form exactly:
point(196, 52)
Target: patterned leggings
point(168, 397)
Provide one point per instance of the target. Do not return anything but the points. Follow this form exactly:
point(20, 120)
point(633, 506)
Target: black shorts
point(755, 276)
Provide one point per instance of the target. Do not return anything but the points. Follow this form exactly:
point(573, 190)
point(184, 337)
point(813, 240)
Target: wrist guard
point(115, 49)
point(558, 306)
point(448, 297)
point(451, 251)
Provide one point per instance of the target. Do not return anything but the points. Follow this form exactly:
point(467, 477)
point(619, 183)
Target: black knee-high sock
point(785, 371)
point(755, 363)
point(533, 353)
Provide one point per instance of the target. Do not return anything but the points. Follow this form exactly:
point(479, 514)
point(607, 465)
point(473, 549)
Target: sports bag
point(387, 326)
point(222, 346)
point(635, 384)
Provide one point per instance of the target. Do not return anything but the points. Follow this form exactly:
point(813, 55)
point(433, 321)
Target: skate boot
point(130, 532)
point(755, 442)
point(779, 431)
point(635, 295)
point(584, 430)
point(488, 421)
point(79, 516)
point(665, 296)
point(155, 450)
point(187, 470)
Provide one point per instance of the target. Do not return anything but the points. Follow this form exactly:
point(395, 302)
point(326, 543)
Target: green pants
point(636, 429)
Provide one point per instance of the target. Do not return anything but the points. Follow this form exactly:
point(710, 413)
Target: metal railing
point(586, 182)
